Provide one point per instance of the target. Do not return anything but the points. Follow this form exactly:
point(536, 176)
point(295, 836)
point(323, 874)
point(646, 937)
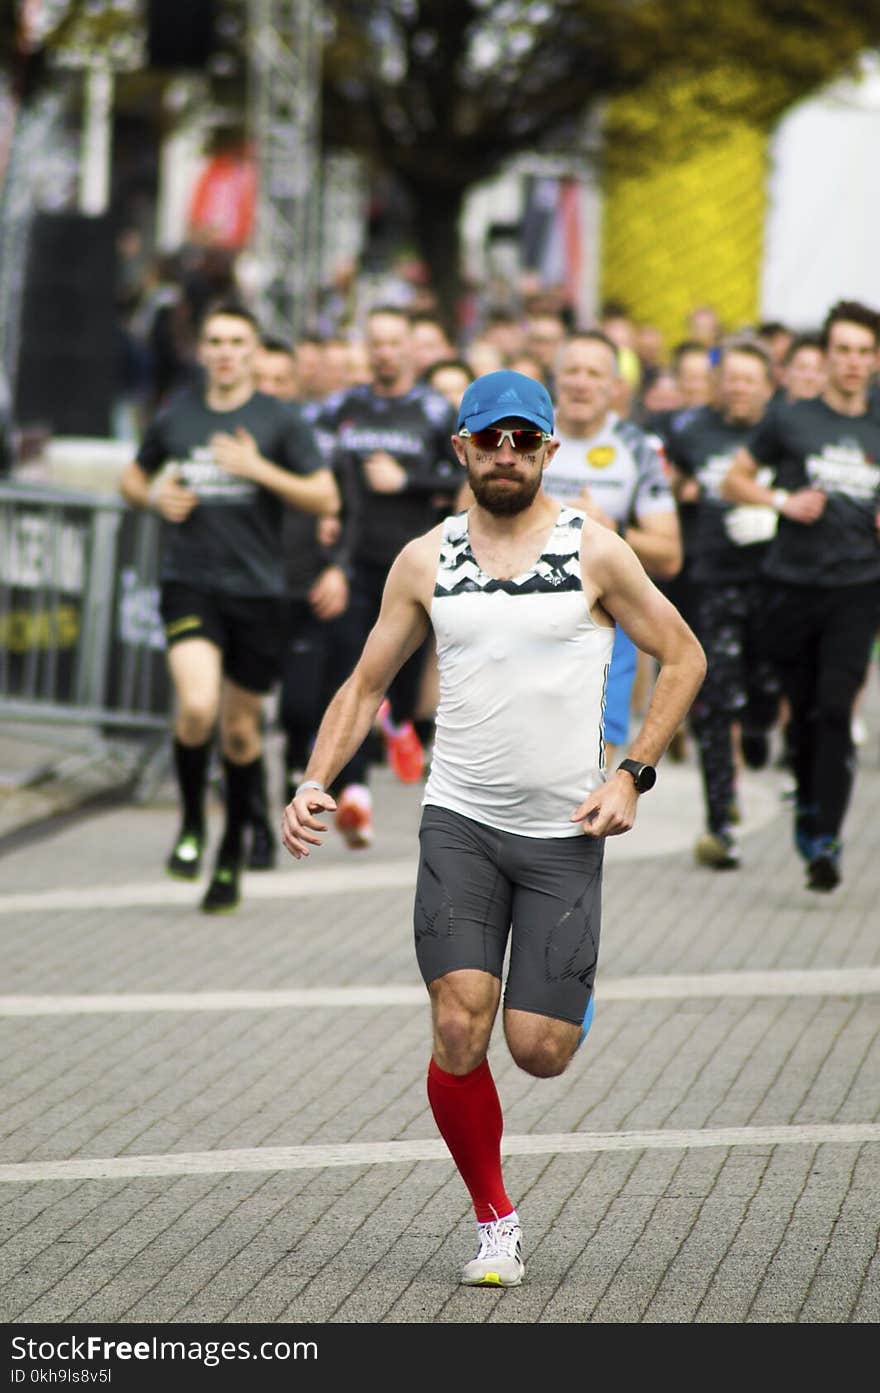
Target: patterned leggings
point(740, 685)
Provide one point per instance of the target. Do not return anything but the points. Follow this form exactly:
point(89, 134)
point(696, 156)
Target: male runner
point(523, 595)
point(612, 470)
point(219, 463)
point(823, 564)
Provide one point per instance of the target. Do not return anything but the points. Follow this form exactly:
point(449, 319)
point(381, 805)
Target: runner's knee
point(541, 1045)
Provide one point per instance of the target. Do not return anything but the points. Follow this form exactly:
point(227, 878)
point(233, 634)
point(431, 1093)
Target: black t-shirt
point(729, 542)
point(231, 543)
point(415, 428)
point(810, 444)
point(668, 425)
point(304, 555)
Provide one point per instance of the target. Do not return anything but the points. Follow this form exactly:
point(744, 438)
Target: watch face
point(644, 776)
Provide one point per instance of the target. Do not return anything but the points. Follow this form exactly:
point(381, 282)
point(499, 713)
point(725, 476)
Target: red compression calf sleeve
point(467, 1111)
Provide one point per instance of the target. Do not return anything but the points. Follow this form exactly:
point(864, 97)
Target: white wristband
point(780, 498)
point(309, 783)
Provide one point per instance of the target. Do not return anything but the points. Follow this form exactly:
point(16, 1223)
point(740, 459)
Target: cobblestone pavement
point(224, 1120)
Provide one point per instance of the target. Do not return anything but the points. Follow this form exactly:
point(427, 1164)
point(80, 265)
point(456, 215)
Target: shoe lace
point(498, 1239)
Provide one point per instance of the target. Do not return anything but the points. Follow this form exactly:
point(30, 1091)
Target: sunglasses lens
point(488, 439)
point(524, 441)
point(527, 440)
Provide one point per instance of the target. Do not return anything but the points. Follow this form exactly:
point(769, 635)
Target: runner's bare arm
point(740, 484)
point(656, 540)
point(163, 492)
point(619, 585)
point(310, 493)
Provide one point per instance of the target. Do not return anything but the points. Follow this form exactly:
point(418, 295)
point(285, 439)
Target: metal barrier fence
point(81, 642)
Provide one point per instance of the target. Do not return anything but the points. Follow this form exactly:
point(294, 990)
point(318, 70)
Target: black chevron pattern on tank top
point(556, 571)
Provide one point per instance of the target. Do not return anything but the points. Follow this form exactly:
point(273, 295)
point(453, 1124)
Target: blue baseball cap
point(497, 395)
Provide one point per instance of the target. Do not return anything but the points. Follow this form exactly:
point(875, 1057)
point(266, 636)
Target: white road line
point(212, 1001)
point(295, 883)
point(843, 981)
point(849, 981)
point(291, 1158)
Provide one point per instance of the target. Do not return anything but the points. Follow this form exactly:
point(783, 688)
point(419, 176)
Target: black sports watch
point(644, 776)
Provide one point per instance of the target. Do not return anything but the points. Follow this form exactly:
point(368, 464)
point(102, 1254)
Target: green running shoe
point(185, 861)
point(223, 893)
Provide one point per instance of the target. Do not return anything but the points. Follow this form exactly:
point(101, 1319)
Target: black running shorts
point(248, 630)
point(477, 887)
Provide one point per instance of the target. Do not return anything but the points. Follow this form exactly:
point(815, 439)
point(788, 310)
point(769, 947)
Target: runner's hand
point(610, 809)
point(237, 454)
point(300, 825)
point(383, 473)
point(171, 499)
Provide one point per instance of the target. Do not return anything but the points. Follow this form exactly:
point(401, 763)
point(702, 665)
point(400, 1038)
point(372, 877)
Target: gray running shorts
point(478, 887)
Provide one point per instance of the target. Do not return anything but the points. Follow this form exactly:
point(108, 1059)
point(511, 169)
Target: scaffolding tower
point(284, 89)
point(32, 133)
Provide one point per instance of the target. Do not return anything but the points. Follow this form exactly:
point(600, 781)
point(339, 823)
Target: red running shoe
point(405, 753)
point(354, 816)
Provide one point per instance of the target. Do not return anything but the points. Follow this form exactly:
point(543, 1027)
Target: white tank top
point(522, 668)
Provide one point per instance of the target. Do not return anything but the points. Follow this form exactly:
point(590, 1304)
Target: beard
point(503, 499)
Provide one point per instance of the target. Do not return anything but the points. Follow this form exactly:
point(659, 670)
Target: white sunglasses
point(523, 440)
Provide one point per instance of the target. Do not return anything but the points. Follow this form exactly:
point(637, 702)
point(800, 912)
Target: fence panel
point(80, 638)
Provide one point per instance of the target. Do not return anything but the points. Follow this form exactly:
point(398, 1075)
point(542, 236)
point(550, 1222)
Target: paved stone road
point(224, 1120)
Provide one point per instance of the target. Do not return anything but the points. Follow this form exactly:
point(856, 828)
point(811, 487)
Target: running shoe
point(223, 894)
point(718, 850)
point(402, 746)
point(263, 849)
point(354, 816)
point(805, 832)
point(823, 871)
point(499, 1262)
point(185, 860)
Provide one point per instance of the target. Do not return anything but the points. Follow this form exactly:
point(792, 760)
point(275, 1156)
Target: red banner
point(222, 206)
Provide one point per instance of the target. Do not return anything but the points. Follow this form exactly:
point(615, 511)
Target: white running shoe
point(718, 850)
point(499, 1263)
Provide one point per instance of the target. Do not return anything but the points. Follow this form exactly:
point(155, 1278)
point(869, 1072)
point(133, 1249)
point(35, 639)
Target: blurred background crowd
point(503, 174)
point(670, 172)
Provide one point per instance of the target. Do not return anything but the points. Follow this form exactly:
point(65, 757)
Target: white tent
point(822, 234)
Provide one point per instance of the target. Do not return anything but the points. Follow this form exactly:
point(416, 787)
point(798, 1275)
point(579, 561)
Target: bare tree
point(443, 92)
